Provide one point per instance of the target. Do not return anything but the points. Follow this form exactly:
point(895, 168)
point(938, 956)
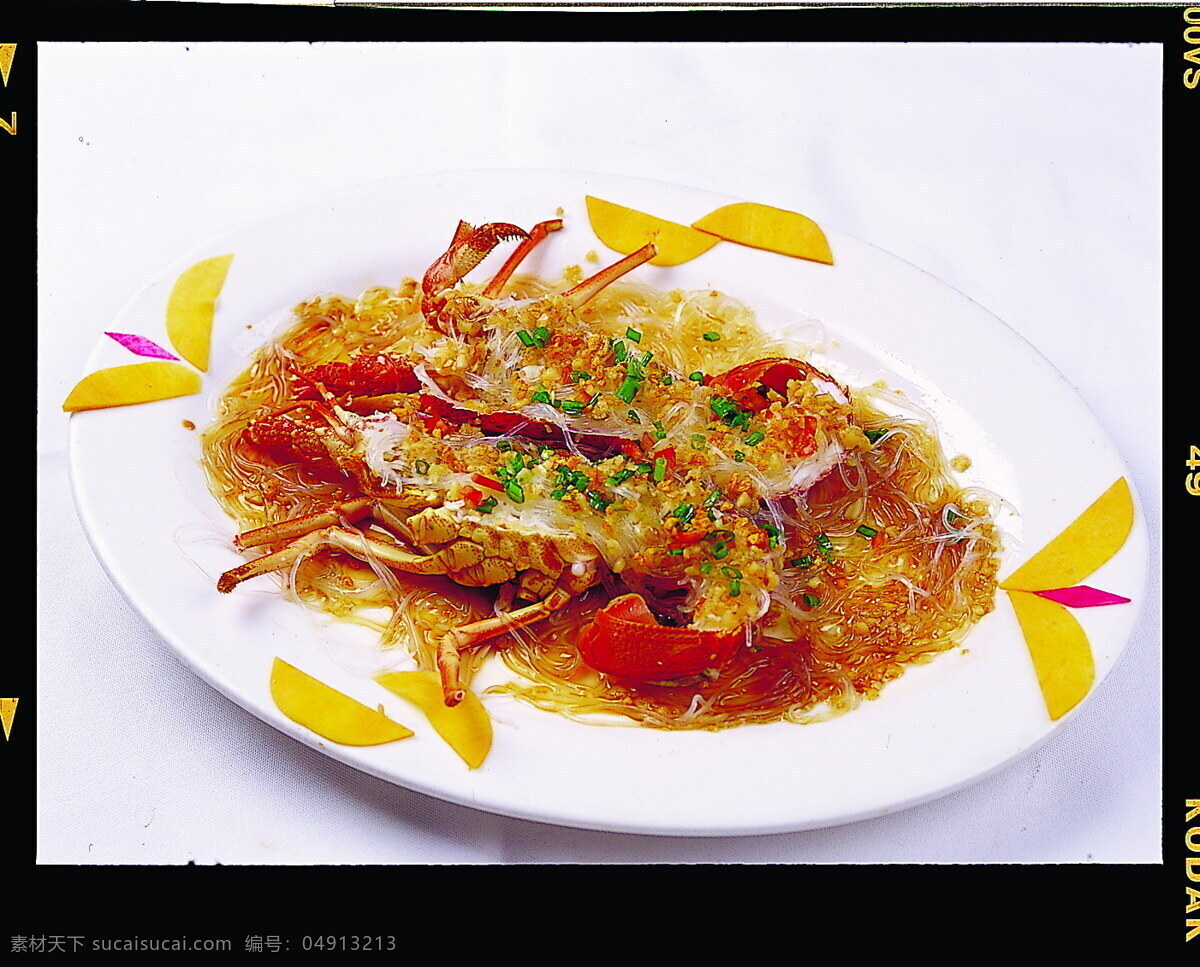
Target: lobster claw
point(624, 639)
point(468, 248)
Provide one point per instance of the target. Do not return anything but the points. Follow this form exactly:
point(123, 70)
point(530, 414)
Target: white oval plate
point(143, 502)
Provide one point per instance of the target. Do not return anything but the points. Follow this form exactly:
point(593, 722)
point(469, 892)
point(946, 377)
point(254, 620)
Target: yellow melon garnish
point(1059, 647)
point(328, 712)
point(465, 726)
point(136, 383)
point(190, 308)
point(626, 230)
point(1094, 536)
point(773, 229)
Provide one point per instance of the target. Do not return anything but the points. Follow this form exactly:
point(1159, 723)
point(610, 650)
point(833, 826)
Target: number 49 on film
point(1193, 461)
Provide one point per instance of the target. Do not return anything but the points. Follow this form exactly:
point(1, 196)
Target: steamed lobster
point(416, 529)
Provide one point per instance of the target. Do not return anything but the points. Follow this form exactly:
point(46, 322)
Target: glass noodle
point(882, 563)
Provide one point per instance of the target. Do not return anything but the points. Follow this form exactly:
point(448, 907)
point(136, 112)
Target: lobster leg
point(276, 560)
point(351, 511)
point(536, 235)
point(457, 556)
point(590, 287)
point(476, 632)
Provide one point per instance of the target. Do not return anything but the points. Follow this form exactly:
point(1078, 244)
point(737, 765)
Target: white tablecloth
point(1026, 176)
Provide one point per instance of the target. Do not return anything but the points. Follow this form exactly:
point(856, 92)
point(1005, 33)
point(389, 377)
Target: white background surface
point(1026, 176)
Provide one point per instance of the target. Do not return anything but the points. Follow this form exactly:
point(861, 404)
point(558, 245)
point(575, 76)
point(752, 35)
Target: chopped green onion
point(804, 560)
point(620, 476)
point(754, 439)
point(825, 546)
point(628, 389)
point(713, 499)
point(646, 357)
point(659, 432)
point(705, 567)
point(711, 336)
point(719, 535)
point(644, 468)
point(867, 531)
point(772, 535)
point(578, 375)
point(731, 572)
point(632, 414)
point(720, 552)
point(571, 406)
point(504, 445)
point(666, 379)
point(618, 347)
point(875, 435)
point(735, 588)
point(722, 406)
point(486, 506)
point(697, 377)
point(515, 491)
point(675, 551)
point(597, 499)
point(421, 467)
point(811, 600)
point(685, 512)
point(633, 334)
point(660, 469)
point(739, 456)
point(541, 336)
point(558, 493)
point(525, 337)
point(541, 396)
point(698, 442)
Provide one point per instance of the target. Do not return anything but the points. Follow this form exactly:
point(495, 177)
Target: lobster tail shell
point(624, 639)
